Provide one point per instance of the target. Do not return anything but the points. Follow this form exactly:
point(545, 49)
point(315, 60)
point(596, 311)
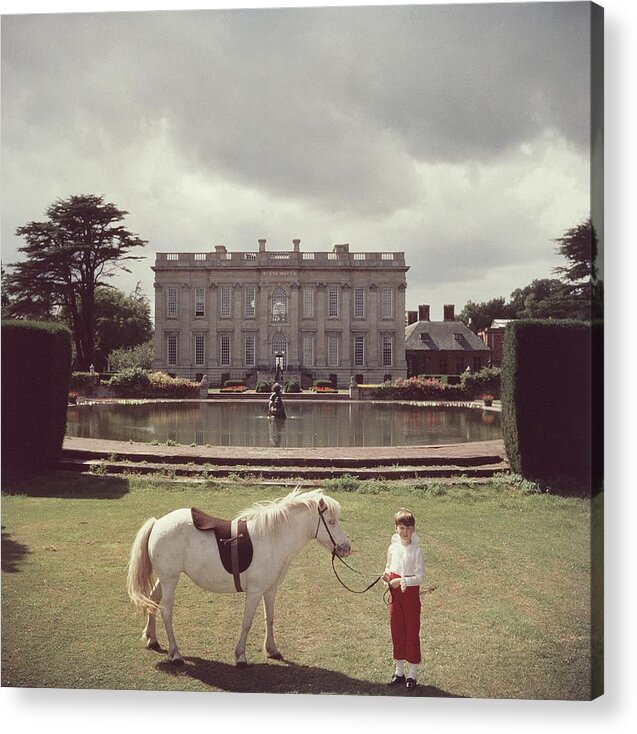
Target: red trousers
point(404, 620)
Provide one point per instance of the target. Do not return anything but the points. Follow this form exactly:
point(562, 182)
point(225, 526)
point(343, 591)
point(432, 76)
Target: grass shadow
point(13, 553)
point(288, 677)
point(64, 484)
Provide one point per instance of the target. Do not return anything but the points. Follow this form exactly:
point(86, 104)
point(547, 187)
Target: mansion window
point(308, 350)
point(359, 303)
point(388, 351)
point(387, 303)
point(171, 303)
point(200, 350)
point(359, 351)
point(332, 302)
point(332, 350)
point(171, 349)
point(279, 305)
point(224, 350)
point(250, 302)
point(224, 302)
point(200, 302)
point(308, 303)
point(250, 351)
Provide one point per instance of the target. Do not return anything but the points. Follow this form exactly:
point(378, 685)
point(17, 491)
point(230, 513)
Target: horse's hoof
point(177, 660)
point(153, 646)
point(242, 664)
point(275, 655)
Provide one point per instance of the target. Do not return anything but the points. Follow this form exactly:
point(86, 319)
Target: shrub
point(234, 383)
point(84, 383)
point(36, 370)
point(322, 383)
point(485, 381)
point(419, 388)
point(131, 382)
point(292, 386)
point(162, 385)
point(127, 357)
point(547, 406)
point(263, 386)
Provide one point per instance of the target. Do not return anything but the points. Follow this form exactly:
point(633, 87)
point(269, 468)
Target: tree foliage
point(480, 315)
point(131, 357)
point(81, 244)
point(578, 294)
point(121, 321)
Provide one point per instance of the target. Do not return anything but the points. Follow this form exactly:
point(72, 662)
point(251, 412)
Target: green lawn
point(506, 601)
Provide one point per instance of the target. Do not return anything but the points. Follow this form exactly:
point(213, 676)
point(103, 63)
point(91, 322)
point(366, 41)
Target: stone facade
point(322, 315)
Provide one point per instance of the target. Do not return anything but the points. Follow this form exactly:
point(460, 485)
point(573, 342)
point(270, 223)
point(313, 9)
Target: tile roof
point(442, 336)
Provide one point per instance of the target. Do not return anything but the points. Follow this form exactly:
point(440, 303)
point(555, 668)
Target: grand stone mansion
point(317, 315)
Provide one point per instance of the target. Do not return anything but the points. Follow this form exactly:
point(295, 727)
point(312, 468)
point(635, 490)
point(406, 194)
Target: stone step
point(283, 460)
point(182, 469)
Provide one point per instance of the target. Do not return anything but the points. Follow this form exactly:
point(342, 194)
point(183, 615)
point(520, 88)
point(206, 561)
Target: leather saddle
point(233, 541)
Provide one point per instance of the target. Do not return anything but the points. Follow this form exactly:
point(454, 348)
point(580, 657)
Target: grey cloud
point(330, 105)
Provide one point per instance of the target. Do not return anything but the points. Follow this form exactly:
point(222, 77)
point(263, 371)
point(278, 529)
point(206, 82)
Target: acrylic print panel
point(462, 137)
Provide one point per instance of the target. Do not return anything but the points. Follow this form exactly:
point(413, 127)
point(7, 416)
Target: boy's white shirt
point(406, 560)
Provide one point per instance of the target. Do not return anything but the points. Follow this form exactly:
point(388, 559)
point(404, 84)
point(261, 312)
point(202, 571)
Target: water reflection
point(307, 425)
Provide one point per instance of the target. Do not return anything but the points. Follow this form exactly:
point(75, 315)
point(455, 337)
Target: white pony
point(278, 530)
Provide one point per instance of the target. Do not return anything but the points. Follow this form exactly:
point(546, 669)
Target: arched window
point(280, 346)
point(279, 305)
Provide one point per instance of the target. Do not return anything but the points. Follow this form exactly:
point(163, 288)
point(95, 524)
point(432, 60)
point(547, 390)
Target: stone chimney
point(261, 245)
point(220, 249)
point(448, 310)
point(296, 245)
point(341, 249)
point(412, 317)
point(423, 313)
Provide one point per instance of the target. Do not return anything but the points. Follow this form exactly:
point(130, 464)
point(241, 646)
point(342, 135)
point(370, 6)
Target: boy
point(404, 572)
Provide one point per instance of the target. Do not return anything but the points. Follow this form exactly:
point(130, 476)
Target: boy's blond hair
point(404, 517)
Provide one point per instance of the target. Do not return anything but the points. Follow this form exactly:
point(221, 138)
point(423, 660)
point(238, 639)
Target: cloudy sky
point(458, 134)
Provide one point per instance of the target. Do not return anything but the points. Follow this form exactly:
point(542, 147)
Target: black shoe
point(411, 683)
point(396, 680)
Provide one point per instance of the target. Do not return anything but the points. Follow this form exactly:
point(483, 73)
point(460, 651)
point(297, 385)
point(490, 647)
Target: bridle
point(321, 512)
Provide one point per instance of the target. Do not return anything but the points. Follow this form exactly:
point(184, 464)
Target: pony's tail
point(139, 580)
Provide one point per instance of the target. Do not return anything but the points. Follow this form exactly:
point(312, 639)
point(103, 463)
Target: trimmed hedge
point(36, 369)
point(476, 384)
point(419, 388)
point(292, 386)
point(263, 386)
point(234, 383)
point(138, 383)
point(85, 383)
point(548, 421)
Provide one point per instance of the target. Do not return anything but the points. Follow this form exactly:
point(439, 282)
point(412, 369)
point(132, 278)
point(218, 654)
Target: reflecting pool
point(309, 424)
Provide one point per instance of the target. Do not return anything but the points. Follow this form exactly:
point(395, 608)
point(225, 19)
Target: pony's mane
point(269, 515)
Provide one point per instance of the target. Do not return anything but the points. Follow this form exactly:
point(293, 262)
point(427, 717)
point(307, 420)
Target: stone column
point(185, 346)
point(263, 319)
point(294, 335)
point(399, 340)
point(237, 320)
point(371, 342)
point(213, 306)
point(346, 320)
point(321, 313)
point(159, 347)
